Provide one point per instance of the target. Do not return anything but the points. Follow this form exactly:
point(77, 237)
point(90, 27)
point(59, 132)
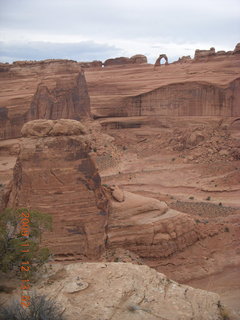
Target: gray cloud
point(212, 23)
point(83, 51)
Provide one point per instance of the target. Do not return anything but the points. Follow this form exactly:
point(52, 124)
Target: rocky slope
point(117, 291)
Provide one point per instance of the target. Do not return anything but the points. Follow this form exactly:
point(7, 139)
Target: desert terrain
point(150, 176)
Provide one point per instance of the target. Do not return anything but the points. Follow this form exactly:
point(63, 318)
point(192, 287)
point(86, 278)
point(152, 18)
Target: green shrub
point(11, 239)
point(191, 198)
point(41, 308)
point(208, 198)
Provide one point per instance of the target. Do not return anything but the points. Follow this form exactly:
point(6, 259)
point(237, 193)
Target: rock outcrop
point(199, 54)
point(68, 100)
point(55, 173)
point(125, 291)
point(148, 227)
point(139, 58)
point(49, 89)
point(237, 49)
point(136, 59)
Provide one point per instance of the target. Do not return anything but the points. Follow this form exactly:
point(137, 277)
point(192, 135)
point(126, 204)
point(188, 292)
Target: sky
point(86, 30)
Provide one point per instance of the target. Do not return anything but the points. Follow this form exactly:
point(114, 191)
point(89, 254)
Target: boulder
point(139, 58)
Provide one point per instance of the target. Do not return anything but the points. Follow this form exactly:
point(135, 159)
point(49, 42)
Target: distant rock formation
point(92, 64)
point(116, 61)
point(199, 54)
point(237, 49)
point(158, 61)
point(137, 59)
point(184, 59)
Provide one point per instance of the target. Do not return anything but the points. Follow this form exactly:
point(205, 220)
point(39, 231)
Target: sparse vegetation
point(226, 229)
point(11, 239)
point(208, 198)
point(173, 159)
point(191, 198)
point(197, 221)
point(41, 308)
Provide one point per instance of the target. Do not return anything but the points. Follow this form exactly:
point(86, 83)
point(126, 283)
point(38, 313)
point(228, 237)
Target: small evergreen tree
point(12, 238)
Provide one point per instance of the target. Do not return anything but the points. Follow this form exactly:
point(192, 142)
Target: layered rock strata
point(54, 173)
point(148, 227)
point(187, 99)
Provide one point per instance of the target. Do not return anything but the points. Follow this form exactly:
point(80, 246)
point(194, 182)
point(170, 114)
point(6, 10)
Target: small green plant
point(226, 229)
point(197, 221)
point(124, 148)
point(208, 198)
point(95, 149)
point(173, 159)
point(41, 308)
point(11, 238)
point(105, 185)
point(191, 198)
point(220, 204)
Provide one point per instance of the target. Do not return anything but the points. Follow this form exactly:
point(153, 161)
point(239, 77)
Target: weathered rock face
point(50, 89)
point(185, 59)
point(68, 100)
point(139, 58)
point(136, 59)
point(237, 49)
point(125, 291)
point(148, 227)
point(199, 54)
point(92, 64)
point(117, 61)
point(54, 173)
point(188, 99)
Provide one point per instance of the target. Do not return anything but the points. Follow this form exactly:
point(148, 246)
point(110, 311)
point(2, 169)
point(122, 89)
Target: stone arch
point(158, 61)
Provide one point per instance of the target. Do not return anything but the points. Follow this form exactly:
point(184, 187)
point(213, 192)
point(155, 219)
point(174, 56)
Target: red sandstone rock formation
point(199, 54)
point(117, 61)
point(158, 61)
point(54, 173)
point(68, 100)
point(237, 49)
point(139, 58)
point(92, 64)
point(50, 89)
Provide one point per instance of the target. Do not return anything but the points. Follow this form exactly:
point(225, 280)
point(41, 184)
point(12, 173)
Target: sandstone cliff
point(50, 89)
point(54, 173)
point(187, 99)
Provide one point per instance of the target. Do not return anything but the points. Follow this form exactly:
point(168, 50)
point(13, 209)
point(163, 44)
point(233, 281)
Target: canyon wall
point(187, 99)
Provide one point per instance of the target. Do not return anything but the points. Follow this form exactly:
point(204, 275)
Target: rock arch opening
point(159, 59)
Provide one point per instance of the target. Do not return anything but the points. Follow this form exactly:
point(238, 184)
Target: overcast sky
point(86, 30)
